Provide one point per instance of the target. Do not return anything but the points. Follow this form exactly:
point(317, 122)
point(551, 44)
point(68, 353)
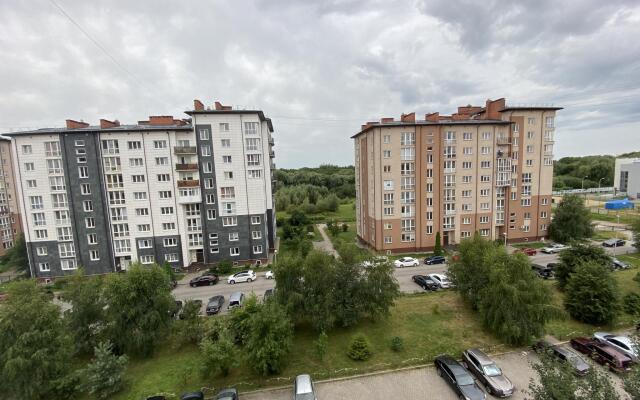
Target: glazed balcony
point(183, 150)
point(185, 183)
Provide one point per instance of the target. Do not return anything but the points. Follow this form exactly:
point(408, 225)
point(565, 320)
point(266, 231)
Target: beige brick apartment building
point(486, 169)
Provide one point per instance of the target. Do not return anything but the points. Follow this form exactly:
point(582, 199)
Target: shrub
point(631, 303)
point(359, 348)
point(321, 345)
point(397, 344)
point(218, 357)
point(435, 309)
point(224, 267)
point(591, 295)
point(104, 375)
point(345, 228)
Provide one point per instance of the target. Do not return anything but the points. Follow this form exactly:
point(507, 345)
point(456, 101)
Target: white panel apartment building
point(161, 190)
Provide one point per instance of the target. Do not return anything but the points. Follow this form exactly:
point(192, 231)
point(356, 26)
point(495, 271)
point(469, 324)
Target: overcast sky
point(321, 68)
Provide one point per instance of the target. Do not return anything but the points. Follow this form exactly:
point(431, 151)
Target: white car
point(554, 248)
point(621, 343)
point(242, 276)
point(406, 262)
point(269, 275)
point(442, 280)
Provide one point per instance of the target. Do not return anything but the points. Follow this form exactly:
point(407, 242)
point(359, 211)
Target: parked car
point(619, 342)
point(614, 243)
point(269, 275)
point(303, 388)
point(435, 260)
point(580, 366)
point(268, 294)
point(543, 271)
point(442, 280)
point(603, 354)
point(618, 264)
point(227, 394)
point(458, 378)
point(425, 282)
point(406, 262)
point(242, 276)
point(236, 300)
point(192, 396)
point(215, 304)
point(554, 248)
point(530, 251)
point(204, 280)
point(487, 372)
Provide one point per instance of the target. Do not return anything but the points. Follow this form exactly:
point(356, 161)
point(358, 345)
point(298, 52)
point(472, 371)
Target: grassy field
point(624, 218)
point(346, 213)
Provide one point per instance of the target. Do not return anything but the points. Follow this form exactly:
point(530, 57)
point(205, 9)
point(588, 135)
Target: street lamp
point(505, 239)
point(583, 182)
point(275, 256)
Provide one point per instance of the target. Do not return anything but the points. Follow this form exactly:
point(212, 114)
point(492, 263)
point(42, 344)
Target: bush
point(104, 375)
point(359, 348)
point(224, 267)
point(345, 228)
point(218, 357)
point(321, 345)
point(631, 303)
point(397, 344)
point(591, 295)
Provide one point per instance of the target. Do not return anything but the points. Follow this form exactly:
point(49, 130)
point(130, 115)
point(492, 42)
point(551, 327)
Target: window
point(545, 201)
point(466, 165)
point(168, 226)
point(207, 167)
point(139, 195)
point(549, 122)
point(166, 210)
point(485, 178)
point(83, 172)
point(252, 144)
point(484, 232)
point(159, 144)
point(29, 166)
point(147, 259)
point(484, 192)
point(204, 134)
point(137, 179)
point(165, 194)
point(388, 240)
point(144, 228)
point(164, 177)
point(465, 207)
point(81, 151)
point(484, 219)
point(386, 168)
point(529, 148)
point(548, 161)
point(211, 199)
point(484, 206)
point(122, 246)
point(171, 257)
point(225, 143)
point(227, 192)
point(92, 238)
point(250, 128)
point(408, 153)
point(233, 236)
point(205, 150)
point(255, 220)
point(229, 221)
point(257, 249)
point(467, 136)
point(144, 244)
point(253, 160)
point(429, 229)
point(170, 242)
point(388, 185)
point(39, 219)
point(224, 127)
point(386, 153)
point(162, 160)
point(388, 211)
point(467, 150)
point(116, 197)
point(486, 135)
point(90, 222)
point(226, 159)
point(31, 183)
point(485, 164)
point(57, 182)
point(94, 255)
point(388, 198)
point(529, 163)
point(68, 264)
point(66, 249)
point(234, 251)
point(41, 233)
point(26, 149)
point(134, 145)
point(228, 208)
point(142, 211)
point(211, 214)
point(255, 173)
point(59, 200)
point(54, 166)
point(36, 202)
point(87, 205)
point(525, 202)
point(52, 149)
point(386, 139)
point(516, 128)
point(44, 266)
point(466, 179)
point(529, 135)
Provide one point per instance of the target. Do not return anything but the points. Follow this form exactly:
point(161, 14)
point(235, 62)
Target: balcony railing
point(503, 140)
point(179, 150)
point(449, 170)
point(450, 141)
point(272, 154)
point(271, 141)
point(188, 183)
point(449, 227)
point(450, 212)
point(188, 199)
point(186, 167)
point(450, 184)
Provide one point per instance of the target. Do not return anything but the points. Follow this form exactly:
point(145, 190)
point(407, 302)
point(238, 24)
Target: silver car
point(487, 372)
point(621, 343)
point(303, 388)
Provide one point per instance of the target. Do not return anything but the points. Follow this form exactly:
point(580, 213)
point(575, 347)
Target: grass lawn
point(429, 324)
point(624, 218)
point(532, 245)
point(605, 235)
point(632, 259)
point(346, 212)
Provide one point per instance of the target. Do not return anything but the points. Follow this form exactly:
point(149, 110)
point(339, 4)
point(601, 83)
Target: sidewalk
point(325, 244)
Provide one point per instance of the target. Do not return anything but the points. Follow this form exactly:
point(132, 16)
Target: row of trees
point(339, 180)
point(512, 302)
point(569, 171)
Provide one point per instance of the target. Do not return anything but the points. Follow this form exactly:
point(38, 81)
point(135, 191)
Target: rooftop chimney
point(493, 108)
point(220, 107)
point(197, 105)
point(71, 124)
point(386, 120)
point(408, 117)
point(161, 120)
point(433, 117)
point(104, 123)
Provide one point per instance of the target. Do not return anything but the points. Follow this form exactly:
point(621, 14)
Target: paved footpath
point(325, 244)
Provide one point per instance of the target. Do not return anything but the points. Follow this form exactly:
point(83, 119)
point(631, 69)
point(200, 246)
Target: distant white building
point(626, 177)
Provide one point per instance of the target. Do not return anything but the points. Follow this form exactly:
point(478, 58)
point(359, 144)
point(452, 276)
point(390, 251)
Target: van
point(235, 300)
point(303, 388)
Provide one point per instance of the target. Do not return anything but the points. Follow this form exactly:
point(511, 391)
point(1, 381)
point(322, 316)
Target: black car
point(458, 378)
point(435, 260)
point(563, 354)
point(215, 304)
point(425, 282)
point(204, 280)
point(227, 394)
point(613, 243)
point(543, 271)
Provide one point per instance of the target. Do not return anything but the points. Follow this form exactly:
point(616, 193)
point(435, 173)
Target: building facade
point(483, 169)
point(10, 223)
point(162, 190)
point(626, 178)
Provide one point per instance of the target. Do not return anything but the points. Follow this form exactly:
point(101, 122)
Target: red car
point(603, 354)
point(528, 251)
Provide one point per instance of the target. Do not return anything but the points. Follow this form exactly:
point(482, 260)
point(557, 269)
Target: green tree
point(591, 295)
point(189, 329)
point(347, 296)
point(269, 339)
point(359, 349)
point(35, 349)
point(631, 303)
point(16, 257)
point(321, 345)
point(86, 316)
point(218, 356)
point(224, 267)
point(437, 250)
point(571, 220)
point(104, 374)
point(515, 305)
point(635, 229)
point(379, 290)
point(139, 305)
point(557, 380)
point(239, 322)
point(579, 254)
point(289, 272)
point(319, 284)
point(471, 271)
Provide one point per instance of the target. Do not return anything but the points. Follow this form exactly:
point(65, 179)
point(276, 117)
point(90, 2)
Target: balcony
point(450, 212)
point(271, 141)
point(186, 167)
point(449, 170)
point(449, 155)
point(450, 141)
point(183, 150)
point(272, 154)
point(449, 184)
point(501, 140)
point(195, 228)
point(449, 227)
point(189, 199)
point(188, 183)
